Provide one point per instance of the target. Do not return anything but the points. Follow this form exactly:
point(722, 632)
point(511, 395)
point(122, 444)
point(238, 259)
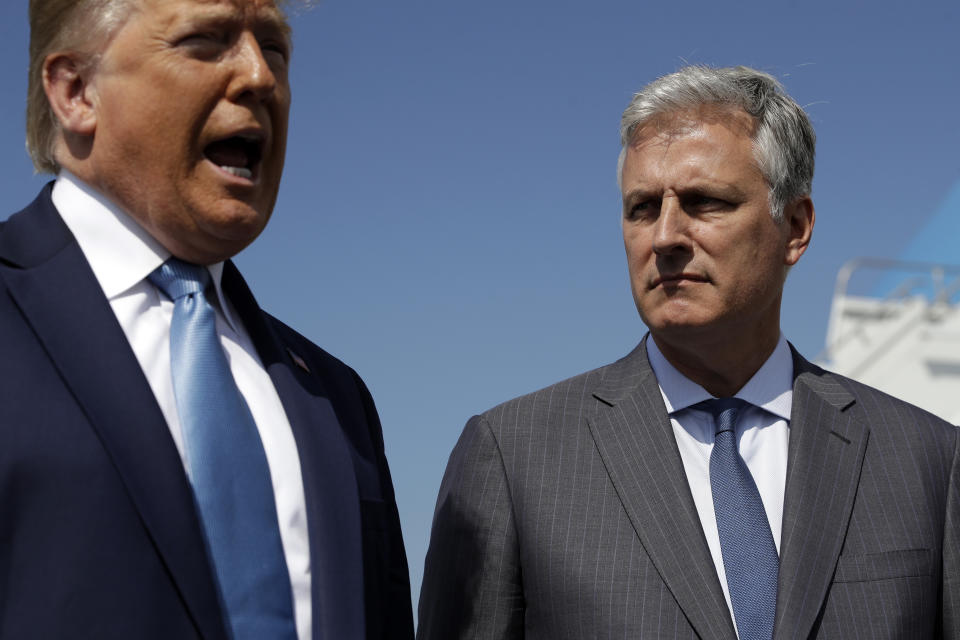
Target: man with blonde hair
point(174, 462)
point(713, 483)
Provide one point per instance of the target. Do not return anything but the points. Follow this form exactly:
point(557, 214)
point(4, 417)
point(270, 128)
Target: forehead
point(253, 12)
point(667, 126)
point(705, 140)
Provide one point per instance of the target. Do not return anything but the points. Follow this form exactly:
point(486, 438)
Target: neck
point(721, 366)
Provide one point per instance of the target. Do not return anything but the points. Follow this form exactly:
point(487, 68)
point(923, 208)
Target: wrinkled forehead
point(268, 9)
point(673, 124)
point(258, 12)
point(240, 5)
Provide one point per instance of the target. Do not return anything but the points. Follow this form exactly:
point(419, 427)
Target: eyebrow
point(635, 195)
point(722, 190)
point(275, 19)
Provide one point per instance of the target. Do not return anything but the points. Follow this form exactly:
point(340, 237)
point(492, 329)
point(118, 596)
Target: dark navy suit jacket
point(99, 537)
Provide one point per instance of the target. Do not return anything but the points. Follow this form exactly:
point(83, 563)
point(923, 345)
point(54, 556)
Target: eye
point(703, 203)
point(642, 210)
point(275, 51)
point(204, 44)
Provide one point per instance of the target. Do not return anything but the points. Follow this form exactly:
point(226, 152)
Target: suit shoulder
point(33, 234)
point(885, 412)
point(557, 404)
point(340, 376)
point(347, 390)
point(307, 350)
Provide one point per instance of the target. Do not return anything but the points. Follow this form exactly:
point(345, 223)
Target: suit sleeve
point(951, 551)
point(395, 617)
point(472, 584)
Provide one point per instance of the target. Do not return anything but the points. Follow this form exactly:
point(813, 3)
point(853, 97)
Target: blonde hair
point(82, 27)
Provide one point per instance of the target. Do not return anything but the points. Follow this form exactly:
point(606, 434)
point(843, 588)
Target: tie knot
point(177, 278)
point(724, 410)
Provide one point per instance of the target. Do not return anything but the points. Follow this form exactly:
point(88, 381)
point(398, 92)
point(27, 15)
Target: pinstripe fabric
point(565, 514)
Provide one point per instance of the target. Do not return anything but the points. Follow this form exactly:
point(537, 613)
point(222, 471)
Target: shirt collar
point(120, 252)
point(770, 388)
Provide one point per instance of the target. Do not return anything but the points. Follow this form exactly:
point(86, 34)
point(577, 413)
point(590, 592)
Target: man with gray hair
point(713, 483)
point(175, 463)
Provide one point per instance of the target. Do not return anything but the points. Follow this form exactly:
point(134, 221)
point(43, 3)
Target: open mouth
point(238, 155)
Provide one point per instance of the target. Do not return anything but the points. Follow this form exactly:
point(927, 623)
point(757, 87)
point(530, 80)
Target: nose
point(671, 234)
point(253, 77)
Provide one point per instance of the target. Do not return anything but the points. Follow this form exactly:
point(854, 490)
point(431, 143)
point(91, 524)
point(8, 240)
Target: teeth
point(240, 172)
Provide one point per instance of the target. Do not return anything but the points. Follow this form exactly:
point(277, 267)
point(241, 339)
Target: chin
point(234, 220)
point(679, 324)
point(214, 238)
point(673, 312)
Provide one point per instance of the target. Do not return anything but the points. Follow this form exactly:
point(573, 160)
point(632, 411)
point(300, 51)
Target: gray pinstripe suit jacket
point(566, 514)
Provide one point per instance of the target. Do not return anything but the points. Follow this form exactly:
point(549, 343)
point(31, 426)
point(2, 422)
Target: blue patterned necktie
point(749, 554)
point(226, 465)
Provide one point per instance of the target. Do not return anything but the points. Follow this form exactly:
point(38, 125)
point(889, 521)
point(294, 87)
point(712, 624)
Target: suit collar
point(49, 280)
point(624, 377)
point(33, 235)
point(633, 435)
point(827, 445)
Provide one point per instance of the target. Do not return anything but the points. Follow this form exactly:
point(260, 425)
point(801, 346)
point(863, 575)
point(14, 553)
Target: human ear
point(799, 217)
point(70, 93)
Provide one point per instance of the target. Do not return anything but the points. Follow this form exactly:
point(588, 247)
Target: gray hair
point(783, 138)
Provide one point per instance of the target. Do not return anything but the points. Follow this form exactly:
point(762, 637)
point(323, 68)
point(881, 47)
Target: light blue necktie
point(226, 465)
point(749, 555)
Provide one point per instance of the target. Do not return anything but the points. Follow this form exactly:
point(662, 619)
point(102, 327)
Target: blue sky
point(448, 222)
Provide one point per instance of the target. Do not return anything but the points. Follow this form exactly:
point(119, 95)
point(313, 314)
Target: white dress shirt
point(122, 254)
point(762, 431)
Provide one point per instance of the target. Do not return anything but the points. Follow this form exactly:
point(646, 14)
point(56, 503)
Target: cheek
point(637, 248)
point(149, 138)
point(758, 273)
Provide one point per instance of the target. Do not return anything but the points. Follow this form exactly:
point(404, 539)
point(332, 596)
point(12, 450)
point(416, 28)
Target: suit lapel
point(326, 462)
point(53, 286)
point(638, 448)
point(826, 454)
